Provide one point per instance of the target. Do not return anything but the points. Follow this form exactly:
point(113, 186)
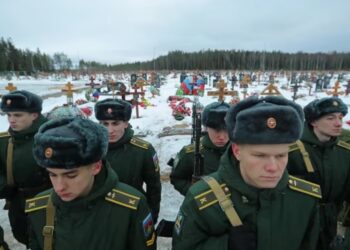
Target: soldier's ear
point(236, 151)
point(96, 168)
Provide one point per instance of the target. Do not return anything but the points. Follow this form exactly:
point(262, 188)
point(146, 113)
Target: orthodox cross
point(271, 89)
point(135, 101)
point(222, 91)
point(10, 87)
point(68, 88)
point(336, 91)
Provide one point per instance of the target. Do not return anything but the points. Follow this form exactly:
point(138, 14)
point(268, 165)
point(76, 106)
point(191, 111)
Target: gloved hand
point(242, 238)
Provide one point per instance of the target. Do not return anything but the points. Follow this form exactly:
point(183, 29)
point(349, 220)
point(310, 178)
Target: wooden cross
point(336, 91)
point(271, 89)
point(10, 87)
point(135, 99)
point(140, 83)
point(222, 91)
point(68, 88)
point(295, 90)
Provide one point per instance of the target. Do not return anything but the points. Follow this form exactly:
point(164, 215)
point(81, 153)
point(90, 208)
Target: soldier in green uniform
point(20, 175)
point(213, 145)
point(134, 160)
point(251, 202)
point(321, 157)
point(88, 207)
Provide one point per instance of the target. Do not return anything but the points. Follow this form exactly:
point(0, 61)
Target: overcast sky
point(115, 31)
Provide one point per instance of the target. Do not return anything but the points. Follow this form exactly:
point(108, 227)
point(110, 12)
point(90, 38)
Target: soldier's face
point(116, 129)
point(261, 166)
point(19, 121)
point(70, 184)
point(328, 126)
point(218, 137)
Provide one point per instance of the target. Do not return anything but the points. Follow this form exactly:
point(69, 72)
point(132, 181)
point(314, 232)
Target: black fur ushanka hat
point(69, 143)
point(268, 120)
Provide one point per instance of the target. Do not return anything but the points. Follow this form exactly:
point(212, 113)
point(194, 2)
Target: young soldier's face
point(20, 121)
point(261, 166)
point(329, 125)
point(116, 129)
point(218, 137)
point(70, 184)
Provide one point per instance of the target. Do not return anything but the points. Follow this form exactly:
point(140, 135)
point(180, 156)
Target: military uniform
point(328, 165)
point(28, 178)
point(136, 163)
point(285, 217)
point(113, 216)
point(181, 175)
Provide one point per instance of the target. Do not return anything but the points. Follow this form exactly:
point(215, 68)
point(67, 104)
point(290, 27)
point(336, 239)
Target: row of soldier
point(245, 199)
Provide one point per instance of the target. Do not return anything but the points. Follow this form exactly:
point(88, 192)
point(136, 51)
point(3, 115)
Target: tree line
point(29, 62)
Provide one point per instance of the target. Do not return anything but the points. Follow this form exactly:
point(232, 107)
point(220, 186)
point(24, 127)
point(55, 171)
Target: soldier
point(251, 202)
point(134, 160)
point(320, 156)
point(88, 208)
point(20, 175)
point(213, 145)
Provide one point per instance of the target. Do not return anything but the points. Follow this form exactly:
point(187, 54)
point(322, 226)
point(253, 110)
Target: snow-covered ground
point(152, 121)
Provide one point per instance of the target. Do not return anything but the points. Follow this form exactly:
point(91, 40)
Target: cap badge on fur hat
point(271, 122)
point(48, 153)
point(335, 103)
point(109, 110)
point(8, 102)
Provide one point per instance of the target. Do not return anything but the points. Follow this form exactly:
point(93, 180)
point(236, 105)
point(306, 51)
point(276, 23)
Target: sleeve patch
point(156, 162)
point(148, 230)
point(124, 199)
point(305, 187)
point(36, 203)
point(178, 223)
point(208, 198)
point(139, 143)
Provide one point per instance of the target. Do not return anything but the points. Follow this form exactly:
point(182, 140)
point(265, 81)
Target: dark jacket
point(136, 163)
point(274, 215)
point(113, 216)
point(181, 174)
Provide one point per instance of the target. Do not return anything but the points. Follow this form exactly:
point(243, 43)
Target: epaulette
point(4, 134)
point(189, 148)
point(305, 187)
point(293, 147)
point(36, 203)
point(124, 199)
point(208, 198)
point(343, 144)
point(139, 143)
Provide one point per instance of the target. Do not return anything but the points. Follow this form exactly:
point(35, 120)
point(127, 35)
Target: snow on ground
point(152, 121)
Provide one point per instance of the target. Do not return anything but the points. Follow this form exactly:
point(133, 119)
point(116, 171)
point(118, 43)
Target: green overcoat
point(181, 174)
point(136, 163)
point(113, 216)
point(281, 218)
point(331, 164)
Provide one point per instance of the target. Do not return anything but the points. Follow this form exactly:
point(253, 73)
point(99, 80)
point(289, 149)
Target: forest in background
point(27, 62)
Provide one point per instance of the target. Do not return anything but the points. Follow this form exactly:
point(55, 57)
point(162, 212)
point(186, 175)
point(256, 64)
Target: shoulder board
point(304, 186)
point(122, 198)
point(343, 144)
point(293, 147)
point(208, 197)
point(139, 143)
point(189, 149)
point(36, 203)
point(4, 134)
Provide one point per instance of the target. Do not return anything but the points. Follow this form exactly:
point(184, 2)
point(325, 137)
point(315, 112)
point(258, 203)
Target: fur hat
point(70, 143)
point(21, 100)
point(213, 115)
point(268, 120)
point(113, 109)
point(320, 107)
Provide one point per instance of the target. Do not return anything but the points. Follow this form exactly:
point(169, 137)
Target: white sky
point(115, 31)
